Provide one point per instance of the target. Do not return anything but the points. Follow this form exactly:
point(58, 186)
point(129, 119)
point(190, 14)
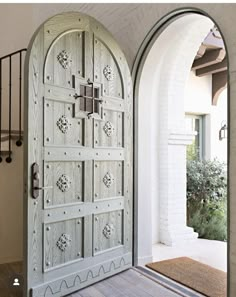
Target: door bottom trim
point(86, 277)
point(168, 283)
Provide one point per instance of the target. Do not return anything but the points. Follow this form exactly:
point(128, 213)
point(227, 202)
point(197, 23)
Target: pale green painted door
point(78, 229)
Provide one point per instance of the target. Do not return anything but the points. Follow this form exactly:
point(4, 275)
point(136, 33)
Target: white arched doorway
point(161, 137)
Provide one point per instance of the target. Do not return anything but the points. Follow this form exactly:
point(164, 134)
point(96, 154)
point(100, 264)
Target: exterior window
point(195, 123)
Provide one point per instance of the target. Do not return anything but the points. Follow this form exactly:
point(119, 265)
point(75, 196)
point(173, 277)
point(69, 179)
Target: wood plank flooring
point(130, 283)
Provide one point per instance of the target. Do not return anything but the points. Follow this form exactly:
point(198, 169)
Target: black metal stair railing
point(9, 130)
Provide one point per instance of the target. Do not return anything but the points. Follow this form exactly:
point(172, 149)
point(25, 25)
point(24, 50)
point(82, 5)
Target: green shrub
point(192, 153)
point(207, 198)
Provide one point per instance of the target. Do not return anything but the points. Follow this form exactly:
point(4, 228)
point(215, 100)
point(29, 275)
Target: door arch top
point(72, 21)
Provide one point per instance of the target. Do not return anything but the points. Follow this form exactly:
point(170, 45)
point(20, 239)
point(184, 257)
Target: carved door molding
point(78, 126)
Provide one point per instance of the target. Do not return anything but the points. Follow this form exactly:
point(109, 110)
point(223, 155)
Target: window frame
point(202, 132)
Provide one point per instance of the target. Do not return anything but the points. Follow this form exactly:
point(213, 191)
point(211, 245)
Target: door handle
point(76, 96)
point(43, 188)
point(35, 176)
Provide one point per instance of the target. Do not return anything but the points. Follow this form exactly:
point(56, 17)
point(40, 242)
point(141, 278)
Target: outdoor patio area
point(210, 252)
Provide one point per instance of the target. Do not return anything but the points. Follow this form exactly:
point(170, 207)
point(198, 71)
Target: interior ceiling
point(129, 23)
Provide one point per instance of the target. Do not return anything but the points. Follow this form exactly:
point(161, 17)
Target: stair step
point(4, 141)
point(13, 132)
point(5, 153)
point(8, 156)
point(6, 138)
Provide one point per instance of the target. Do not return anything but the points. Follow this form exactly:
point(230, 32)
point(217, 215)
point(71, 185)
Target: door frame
point(136, 71)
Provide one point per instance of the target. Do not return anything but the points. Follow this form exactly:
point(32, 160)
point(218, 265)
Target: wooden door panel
point(66, 57)
point(67, 181)
point(109, 131)
point(79, 124)
point(108, 231)
point(60, 128)
point(106, 70)
point(108, 179)
point(63, 243)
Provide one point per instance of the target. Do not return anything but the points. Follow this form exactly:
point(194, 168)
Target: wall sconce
point(223, 131)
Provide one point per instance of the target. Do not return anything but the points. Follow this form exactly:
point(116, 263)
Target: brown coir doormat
point(193, 274)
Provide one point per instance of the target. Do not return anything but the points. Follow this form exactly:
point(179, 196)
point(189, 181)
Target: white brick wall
point(164, 182)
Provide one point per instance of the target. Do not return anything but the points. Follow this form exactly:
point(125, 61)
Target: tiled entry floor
point(210, 252)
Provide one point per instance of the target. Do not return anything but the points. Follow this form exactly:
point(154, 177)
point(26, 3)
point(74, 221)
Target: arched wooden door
point(78, 157)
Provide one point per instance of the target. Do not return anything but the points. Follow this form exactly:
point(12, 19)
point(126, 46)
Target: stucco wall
point(198, 100)
point(218, 148)
point(130, 23)
point(15, 33)
point(197, 97)
point(11, 208)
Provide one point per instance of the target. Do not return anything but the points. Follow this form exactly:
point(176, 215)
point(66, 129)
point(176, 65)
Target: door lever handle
point(43, 188)
point(35, 176)
point(76, 96)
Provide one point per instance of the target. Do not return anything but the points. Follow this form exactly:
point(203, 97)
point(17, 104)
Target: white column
point(173, 228)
